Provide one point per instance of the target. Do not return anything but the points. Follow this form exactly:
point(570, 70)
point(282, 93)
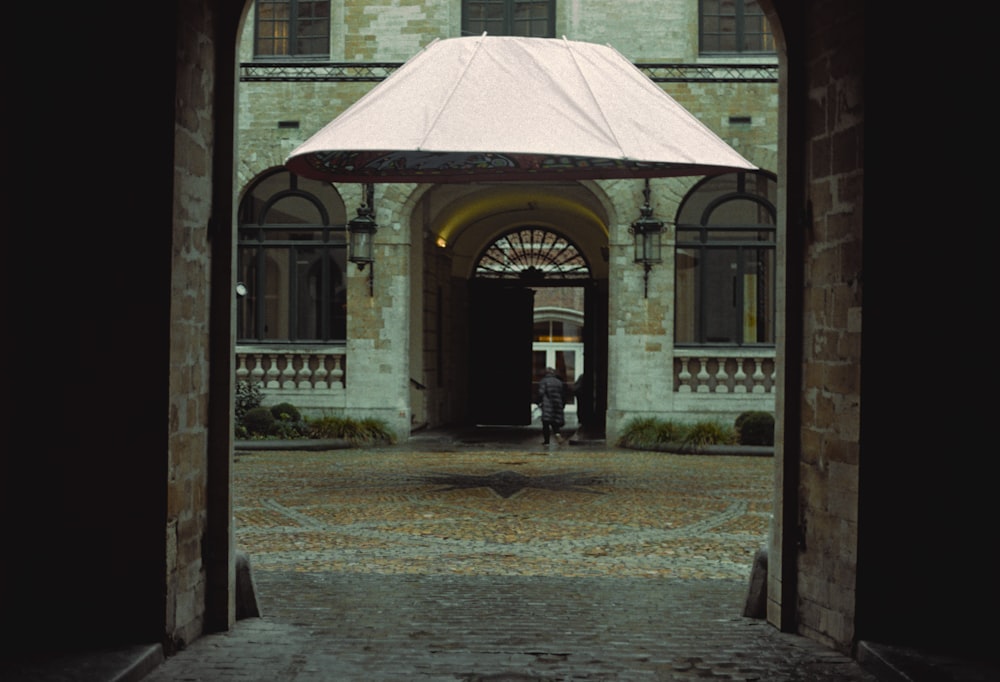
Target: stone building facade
point(409, 357)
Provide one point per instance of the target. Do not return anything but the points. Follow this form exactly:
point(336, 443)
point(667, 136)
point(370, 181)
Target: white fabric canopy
point(509, 108)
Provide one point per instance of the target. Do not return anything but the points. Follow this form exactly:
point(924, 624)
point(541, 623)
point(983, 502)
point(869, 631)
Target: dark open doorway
point(534, 304)
point(500, 334)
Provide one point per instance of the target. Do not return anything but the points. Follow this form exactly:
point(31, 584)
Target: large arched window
point(292, 253)
point(725, 262)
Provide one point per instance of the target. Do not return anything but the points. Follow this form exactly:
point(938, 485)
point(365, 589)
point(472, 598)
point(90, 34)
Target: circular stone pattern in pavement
point(561, 513)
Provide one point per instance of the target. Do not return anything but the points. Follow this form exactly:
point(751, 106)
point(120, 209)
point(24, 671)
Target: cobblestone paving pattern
point(637, 515)
point(577, 564)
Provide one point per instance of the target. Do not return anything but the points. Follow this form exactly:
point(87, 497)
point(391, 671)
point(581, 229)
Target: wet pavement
point(474, 558)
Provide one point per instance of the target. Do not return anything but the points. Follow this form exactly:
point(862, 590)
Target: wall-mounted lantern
point(361, 232)
point(648, 235)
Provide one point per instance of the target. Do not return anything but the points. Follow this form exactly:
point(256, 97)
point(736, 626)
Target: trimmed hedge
point(756, 428)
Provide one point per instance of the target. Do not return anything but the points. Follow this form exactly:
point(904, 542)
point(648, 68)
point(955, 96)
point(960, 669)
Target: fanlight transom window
point(532, 254)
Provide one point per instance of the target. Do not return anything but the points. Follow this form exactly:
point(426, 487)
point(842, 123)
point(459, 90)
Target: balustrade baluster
point(758, 375)
point(272, 371)
point(258, 370)
point(703, 376)
point(337, 373)
point(305, 371)
point(721, 377)
point(242, 372)
point(740, 385)
point(320, 374)
point(685, 376)
point(289, 371)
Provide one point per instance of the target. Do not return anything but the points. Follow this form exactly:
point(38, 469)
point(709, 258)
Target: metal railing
point(372, 72)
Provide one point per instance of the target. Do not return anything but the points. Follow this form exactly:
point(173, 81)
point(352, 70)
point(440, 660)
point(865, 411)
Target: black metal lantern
point(362, 235)
point(647, 232)
point(361, 232)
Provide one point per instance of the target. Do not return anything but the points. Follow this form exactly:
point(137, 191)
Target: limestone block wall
point(378, 324)
point(640, 318)
point(187, 470)
point(831, 390)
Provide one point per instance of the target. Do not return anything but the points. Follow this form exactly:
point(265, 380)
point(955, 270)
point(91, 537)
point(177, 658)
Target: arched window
point(725, 262)
point(532, 255)
point(292, 259)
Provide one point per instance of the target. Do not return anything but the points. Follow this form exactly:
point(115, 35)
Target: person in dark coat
point(552, 401)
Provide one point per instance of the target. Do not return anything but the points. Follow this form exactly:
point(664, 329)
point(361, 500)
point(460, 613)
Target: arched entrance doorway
point(527, 269)
point(511, 272)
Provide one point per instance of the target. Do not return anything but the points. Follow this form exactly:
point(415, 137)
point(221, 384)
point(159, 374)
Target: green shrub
point(286, 412)
point(327, 427)
point(651, 433)
point(709, 433)
point(358, 432)
point(755, 428)
point(259, 422)
point(248, 396)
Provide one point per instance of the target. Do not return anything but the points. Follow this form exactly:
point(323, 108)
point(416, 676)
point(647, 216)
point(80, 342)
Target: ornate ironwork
point(532, 255)
point(711, 73)
point(373, 72)
point(322, 72)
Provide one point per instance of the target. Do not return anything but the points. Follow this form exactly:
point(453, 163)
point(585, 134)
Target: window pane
point(700, 206)
point(293, 210)
point(688, 236)
point(720, 295)
point(484, 15)
point(686, 310)
point(275, 291)
point(565, 365)
point(312, 28)
point(756, 32)
point(734, 26)
point(542, 331)
point(246, 309)
point(273, 27)
point(531, 19)
point(321, 309)
point(572, 332)
point(739, 235)
point(337, 294)
point(758, 296)
point(508, 17)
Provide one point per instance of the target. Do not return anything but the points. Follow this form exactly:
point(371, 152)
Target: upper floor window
point(528, 18)
point(292, 261)
point(725, 262)
point(292, 28)
point(733, 27)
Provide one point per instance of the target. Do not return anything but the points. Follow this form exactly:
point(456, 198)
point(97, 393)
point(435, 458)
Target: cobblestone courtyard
point(570, 513)
point(438, 561)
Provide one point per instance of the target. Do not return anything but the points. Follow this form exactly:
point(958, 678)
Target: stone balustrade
point(724, 371)
point(312, 379)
